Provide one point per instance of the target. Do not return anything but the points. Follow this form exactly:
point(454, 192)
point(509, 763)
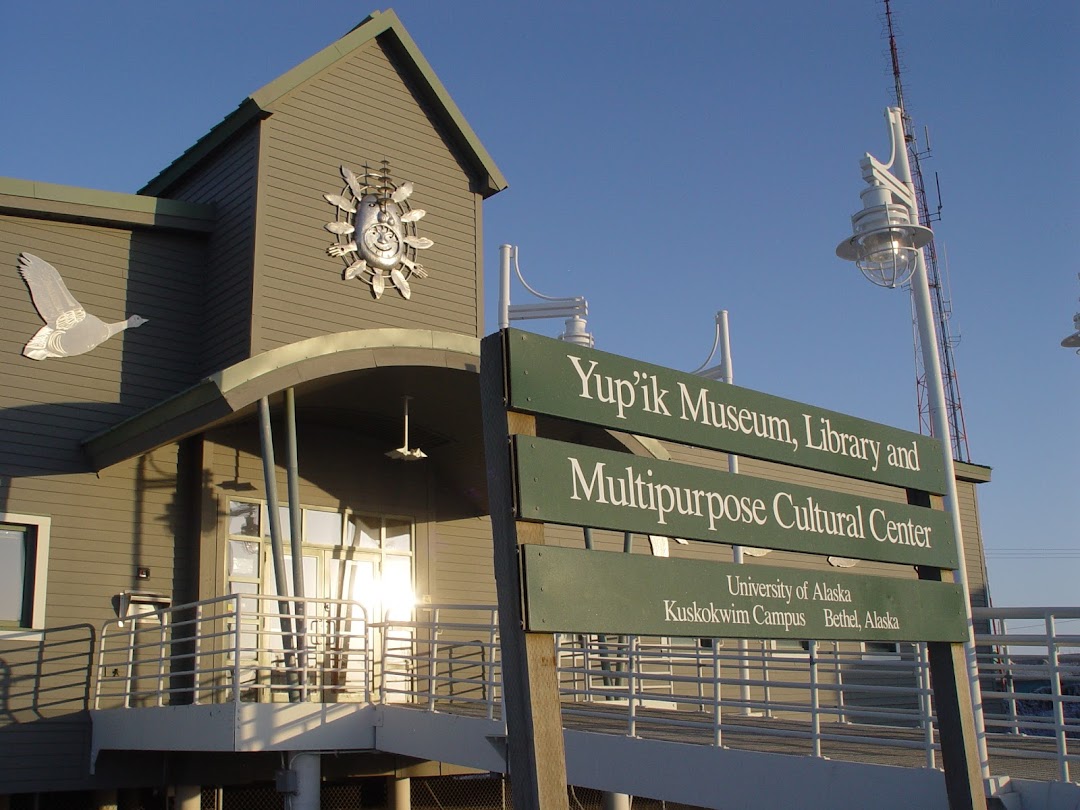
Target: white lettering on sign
point(631, 488)
point(699, 408)
point(777, 604)
point(642, 390)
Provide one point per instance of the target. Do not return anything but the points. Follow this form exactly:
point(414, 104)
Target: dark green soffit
point(27, 198)
point(260, 104)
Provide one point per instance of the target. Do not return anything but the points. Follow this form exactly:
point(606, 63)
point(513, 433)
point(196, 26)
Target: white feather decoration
point(355, 269)
point(352, 182)
point(340, 202)
point(398, 278)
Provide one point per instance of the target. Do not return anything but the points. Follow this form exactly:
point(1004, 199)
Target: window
point(24, 555)
point(790, 647)
point(881, 649)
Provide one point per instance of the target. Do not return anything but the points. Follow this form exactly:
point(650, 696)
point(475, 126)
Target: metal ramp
point(688, 773)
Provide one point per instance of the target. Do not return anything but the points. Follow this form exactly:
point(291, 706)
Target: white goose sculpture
point(68, 328)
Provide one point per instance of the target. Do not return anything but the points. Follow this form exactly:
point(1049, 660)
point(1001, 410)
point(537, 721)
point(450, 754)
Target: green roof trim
point(51, 201)
point(260, 104)
point(975, 473)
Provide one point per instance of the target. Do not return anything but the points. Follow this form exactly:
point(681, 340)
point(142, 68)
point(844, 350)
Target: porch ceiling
point(356, 378)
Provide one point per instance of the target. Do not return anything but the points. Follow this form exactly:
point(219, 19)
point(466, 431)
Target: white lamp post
point(886, 246)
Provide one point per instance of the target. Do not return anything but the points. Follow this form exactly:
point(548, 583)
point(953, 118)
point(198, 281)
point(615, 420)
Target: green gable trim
point(260, 104)
point(238, 119)
point(28, 198)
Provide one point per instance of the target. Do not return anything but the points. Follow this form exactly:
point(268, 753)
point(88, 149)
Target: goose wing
point(55, 304)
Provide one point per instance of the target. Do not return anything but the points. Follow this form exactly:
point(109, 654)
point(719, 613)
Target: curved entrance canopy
point(358, 371)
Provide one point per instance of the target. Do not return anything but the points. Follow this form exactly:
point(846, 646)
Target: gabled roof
point(382, 25)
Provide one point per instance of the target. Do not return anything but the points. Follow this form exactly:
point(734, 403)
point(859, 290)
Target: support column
point(308, 768)
point(400, 790)
point(189, 797)
point(615, 801)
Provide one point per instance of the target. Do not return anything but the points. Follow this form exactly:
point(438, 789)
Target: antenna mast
point(939, 295)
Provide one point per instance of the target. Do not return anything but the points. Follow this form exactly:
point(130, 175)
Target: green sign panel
point(578, 591)
point(566, 483)
point(553, 377)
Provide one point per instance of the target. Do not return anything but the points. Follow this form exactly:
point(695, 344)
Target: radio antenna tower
point(939, 295)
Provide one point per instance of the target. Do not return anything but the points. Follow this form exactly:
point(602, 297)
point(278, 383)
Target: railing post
point(718, 691)
point(632, 684)
point(236, 649)
point(815, 699)
point(162, 618)
point(1059, 708)
point(926, 706)
point(433, 648)
point(100, 666)
point(766, 691)
point(841, 713)
point(198, 655)
point(489, 667)
point(130, 663)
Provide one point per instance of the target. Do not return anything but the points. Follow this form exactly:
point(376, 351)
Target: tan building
point(131, 471)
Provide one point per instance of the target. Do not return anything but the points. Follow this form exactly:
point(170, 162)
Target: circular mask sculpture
point(376, 231)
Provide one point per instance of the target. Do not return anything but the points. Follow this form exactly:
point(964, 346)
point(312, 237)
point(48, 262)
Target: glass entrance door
point(358, 574)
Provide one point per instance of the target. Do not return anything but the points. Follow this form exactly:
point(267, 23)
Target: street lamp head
point(885, 245)
point(1073, 340)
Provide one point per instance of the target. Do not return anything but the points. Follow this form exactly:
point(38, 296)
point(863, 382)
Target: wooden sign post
point(547, 590)
point(536, 757)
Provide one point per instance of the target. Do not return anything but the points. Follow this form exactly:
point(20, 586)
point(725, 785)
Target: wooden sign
point(558, 482)
point(543, 590)
point(570, 590)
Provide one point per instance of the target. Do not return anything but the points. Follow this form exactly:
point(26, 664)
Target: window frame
point(39, 581)
point(870, 654)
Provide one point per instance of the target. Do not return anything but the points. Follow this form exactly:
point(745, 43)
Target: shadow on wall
point(44, 700)
point(46, 674)
point(47, 439)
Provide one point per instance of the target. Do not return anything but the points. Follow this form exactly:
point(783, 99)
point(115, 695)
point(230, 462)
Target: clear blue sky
point(669, 160)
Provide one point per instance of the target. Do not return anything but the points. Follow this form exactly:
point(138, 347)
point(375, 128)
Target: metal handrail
point(447, 658)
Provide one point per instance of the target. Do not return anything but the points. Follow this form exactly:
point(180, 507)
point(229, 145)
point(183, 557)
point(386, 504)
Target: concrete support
point(308, 768)
point(400, 793)
point(615, 801)
point(188, 797)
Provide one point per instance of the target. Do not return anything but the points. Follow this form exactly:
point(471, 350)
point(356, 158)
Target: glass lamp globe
point(885, 245)
point(886, 257)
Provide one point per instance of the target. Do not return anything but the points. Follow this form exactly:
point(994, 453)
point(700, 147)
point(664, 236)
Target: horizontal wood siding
point(463, 567)
point(228, 179)
point(974, 551)
point(45, 755)
point(359, 111)
point(47, 407)
point(102, 530)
